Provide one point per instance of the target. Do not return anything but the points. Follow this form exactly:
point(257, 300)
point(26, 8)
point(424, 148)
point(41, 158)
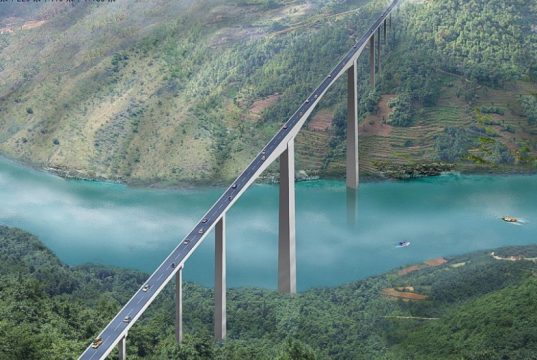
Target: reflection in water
point(352, 199)
point(137, 228)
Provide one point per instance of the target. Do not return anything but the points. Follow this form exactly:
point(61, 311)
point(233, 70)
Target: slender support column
point(286, 244)
point(390, 21)
point(352, 127)
point(122, 348)
point(372, 60)
point(379, 51)
point(179, 305)
point(220, 280)
point(385, 38)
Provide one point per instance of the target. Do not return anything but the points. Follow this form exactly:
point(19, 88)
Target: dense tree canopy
point(51, 311)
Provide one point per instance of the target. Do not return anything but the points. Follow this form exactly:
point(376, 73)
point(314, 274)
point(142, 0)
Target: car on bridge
point(145, 288)
point(97, 342)
point(127, 319)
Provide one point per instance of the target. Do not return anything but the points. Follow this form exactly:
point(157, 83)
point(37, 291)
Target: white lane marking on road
point(92, 355)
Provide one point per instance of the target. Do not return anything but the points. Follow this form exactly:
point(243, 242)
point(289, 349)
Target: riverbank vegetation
point(465, 307)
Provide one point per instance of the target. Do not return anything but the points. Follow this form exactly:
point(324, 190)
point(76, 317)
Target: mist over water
point(112, 224)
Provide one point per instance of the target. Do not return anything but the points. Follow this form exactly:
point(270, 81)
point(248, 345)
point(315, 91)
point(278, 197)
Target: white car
point(97, 342)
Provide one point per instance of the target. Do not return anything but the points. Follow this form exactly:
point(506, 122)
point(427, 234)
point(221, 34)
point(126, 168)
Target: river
point(112, 224)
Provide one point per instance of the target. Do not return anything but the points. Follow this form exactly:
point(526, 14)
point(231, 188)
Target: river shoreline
point(390, 175)
point(138, 227)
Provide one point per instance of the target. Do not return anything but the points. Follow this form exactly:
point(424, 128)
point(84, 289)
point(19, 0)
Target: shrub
point(502, 155)
point(403, 111)
point(453, 144)
point(529, 108)
point(492, 110)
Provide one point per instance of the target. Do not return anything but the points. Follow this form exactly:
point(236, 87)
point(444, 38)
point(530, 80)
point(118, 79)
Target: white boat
point(403, 244)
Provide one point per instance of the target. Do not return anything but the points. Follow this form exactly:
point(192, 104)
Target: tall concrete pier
point(372, 60)
point(352, 127)
point(220, 280)
point(286, 244)
point(179, 305)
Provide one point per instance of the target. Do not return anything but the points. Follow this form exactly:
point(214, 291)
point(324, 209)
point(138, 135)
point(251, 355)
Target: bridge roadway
point(117, 329)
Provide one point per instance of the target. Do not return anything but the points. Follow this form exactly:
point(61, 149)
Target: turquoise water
point(112, 224)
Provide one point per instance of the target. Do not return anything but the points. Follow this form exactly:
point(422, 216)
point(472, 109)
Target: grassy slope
point(133, 91)
point(52, 311)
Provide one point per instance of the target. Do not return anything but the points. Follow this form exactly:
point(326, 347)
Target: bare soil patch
point(255, 111)
point(233, 35)
point(408, 270)
point(375, 124)
point(322, 121)
point(433, 262)
point(436, 262)
point(33, 24)
point(405, 295)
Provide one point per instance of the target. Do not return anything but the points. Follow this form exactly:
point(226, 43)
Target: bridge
point(281, 147)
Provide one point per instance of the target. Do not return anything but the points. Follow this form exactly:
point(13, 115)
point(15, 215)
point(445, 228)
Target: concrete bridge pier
point(385, 38)
point(379, 51)
point(220, 280)
point(287, 240)
point(352, 127)
point(179, 305)
point(372, 60)
point(122, 348)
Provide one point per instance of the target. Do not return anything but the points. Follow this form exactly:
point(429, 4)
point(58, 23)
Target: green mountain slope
point(167, 91)
point(465, 76)
point(472, 307)
point(187, 92)
point(484, 328)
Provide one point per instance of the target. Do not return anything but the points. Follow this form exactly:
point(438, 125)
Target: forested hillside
point(131, 91)
point(465, 78)
point(468, 307)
